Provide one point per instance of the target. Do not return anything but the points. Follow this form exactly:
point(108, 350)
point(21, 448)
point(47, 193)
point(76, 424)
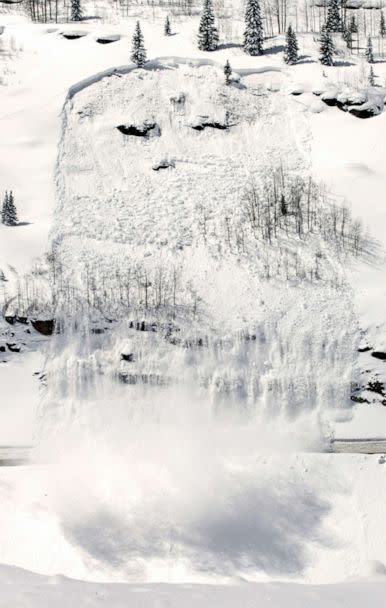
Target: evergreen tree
point(372, 77)
point(326, 47)
point(253, 34)
point(227, 72)
point(291, 52)
point(207, 32)
point(369, 51)
point(76, 10)
point(9, 213)
point(138, 52)
point(382, 25)
point(167, 27)
point(347, 37)
point(353, 25)
point(334, 21)
point(4, 208)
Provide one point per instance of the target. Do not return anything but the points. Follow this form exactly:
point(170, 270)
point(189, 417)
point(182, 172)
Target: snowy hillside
point(192, 309)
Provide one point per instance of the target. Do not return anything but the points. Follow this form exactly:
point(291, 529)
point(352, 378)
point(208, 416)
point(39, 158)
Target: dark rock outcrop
point(147, 129)
point(214, 125)
point(13, 348)
point(46, 328)
point(379, 355)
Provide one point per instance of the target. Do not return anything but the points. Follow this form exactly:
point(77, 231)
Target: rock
point(23, 320)
point(379, 355)
point(364, 349)
point(329, 98)
point(2, 349)
point(13, 348)
point(178, 100)
point(108, 39)
point(164, 164)
point(205, 123)
point(129, 357)
point(46, 327)
point(363, 112)
point(11, 319)
point(146, 129)
point(73, 35)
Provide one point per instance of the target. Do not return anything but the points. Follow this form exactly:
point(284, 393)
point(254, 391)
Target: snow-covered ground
point(173, 481)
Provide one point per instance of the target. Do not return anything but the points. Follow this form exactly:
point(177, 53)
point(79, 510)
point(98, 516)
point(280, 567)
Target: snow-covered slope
point(174, 457)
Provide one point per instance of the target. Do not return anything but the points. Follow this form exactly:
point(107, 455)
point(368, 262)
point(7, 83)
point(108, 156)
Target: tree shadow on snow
point(343, 64)
point(274, 50)
point(229, 45)
point(305, 59)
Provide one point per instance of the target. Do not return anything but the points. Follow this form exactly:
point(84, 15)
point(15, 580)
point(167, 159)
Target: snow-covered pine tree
point(372, 77)
point(167, 27)
point(227, 72)
point(138, 51)
point(76, 10)
point(291, 52)
point(253, 34)
point(9, 213)
point(334, 21)
point(347, 37)
point(4, 208)
point(353, 25)
point(207, 32)
point(382, 25)
point(369, 50)
point(326, 47)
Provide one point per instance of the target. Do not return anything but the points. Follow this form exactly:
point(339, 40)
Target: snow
point(171, 482)
point(59, 592)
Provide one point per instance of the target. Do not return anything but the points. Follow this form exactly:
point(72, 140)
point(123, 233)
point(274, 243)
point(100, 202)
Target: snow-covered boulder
point(363, 103)
point(329, 97)
point(73, 34)
point(107, 39)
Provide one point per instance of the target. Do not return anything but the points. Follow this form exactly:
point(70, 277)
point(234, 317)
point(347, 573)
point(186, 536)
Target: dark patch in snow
point(364, 349)
point(129, 357)
point(149, 379)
